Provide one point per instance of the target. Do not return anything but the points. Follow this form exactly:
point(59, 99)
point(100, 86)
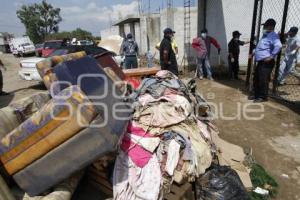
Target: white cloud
point(96, 13)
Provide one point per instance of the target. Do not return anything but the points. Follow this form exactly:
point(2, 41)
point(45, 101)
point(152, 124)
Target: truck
point(21, 46)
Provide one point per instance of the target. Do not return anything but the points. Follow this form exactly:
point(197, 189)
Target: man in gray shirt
point(290, 59)
point(130, 50)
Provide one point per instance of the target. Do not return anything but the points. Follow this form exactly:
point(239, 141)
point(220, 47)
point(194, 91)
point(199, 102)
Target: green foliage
point(39, 20)
point(260, 178)
point(78, 33)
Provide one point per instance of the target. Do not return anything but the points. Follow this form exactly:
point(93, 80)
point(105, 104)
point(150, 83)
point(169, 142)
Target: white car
point(84, 42)
point(28, 70)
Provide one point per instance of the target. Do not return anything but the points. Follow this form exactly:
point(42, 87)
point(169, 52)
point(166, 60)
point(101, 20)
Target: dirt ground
point(13, 83)
point(275, 139)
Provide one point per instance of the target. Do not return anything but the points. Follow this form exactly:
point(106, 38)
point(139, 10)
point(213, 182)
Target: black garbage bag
point(220, 183)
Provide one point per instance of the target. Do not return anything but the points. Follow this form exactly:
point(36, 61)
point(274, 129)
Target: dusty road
point(12, 82)
point(275, 139)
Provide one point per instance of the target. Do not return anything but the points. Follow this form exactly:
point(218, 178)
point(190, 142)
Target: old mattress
point(60, 119)
point(88, 74)
point(75, 154)
point(45, 67)
point(106, 61)
point(17, 112)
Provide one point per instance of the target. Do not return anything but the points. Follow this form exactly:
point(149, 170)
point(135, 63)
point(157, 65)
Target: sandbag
point(77, 153)
point(60, 119)
point(18, 111)
point(220, 183)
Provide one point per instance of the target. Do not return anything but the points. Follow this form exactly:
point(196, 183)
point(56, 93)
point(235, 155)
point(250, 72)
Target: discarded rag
point(134, 183)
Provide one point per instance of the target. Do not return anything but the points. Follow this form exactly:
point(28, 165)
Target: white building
point(148, 29)
point(221, 17)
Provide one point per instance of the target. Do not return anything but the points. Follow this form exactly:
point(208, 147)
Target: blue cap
point(129, 36)
point(168, 31)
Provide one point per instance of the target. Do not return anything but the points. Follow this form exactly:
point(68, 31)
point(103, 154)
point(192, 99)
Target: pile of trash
point(169, 139)
point(129, 143)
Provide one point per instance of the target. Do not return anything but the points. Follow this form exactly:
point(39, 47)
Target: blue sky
point(92, 15)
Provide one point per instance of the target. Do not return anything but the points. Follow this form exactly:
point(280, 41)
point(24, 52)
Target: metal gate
point(285, 12)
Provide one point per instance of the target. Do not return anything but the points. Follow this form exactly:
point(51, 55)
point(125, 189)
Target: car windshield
point(58, 52)
point(53, 44)
point(39, 46)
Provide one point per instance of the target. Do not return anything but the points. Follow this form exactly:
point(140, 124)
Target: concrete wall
point(224, 17)
point(137, 33)
point(173, 18)
point(114, 30)
point(126, 28)
point(153, 32)
point(149, 31)
point(179, 36)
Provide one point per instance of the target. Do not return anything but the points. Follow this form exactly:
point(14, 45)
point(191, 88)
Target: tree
point(78, 33)
point(39, 20)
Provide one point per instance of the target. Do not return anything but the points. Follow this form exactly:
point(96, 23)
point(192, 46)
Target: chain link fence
point(285, 12)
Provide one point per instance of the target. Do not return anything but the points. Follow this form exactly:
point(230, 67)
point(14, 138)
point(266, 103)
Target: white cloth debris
point(261, 191)
point(147, 143)
point(134, 183)
point(173, 157)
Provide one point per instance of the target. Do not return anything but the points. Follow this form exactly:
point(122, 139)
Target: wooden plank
point(103, 189)
point(180, 192)
point(139, 72)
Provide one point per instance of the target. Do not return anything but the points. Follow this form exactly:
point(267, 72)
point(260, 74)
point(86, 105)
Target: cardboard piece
point(233, 156)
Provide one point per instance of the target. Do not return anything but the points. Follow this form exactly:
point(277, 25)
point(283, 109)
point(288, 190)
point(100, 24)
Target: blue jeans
point(130, 62)
point(204, 63)
point(287, 67)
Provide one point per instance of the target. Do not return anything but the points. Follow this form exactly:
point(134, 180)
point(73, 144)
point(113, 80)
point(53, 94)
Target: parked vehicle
point(51, 46)
point(28, 69)
point(84, 42)
point(21, 46)
point(38, 50)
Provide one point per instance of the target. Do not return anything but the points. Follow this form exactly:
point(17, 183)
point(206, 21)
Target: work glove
point(232, 60)
point(219, 51)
